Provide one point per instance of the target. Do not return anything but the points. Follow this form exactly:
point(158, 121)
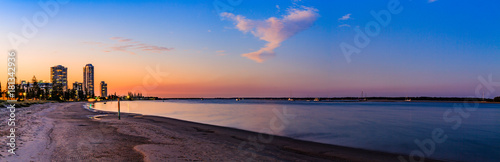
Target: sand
point(68, 132)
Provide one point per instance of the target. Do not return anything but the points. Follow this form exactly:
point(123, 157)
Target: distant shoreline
point(353, 99)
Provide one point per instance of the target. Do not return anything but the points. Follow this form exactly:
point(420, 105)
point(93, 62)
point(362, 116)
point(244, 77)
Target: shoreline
point(66, 131)
point(315, 150)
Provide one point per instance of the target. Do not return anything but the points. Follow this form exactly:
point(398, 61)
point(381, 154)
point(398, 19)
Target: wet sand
point(67, 132)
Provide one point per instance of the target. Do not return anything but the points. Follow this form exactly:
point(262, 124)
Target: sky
point(258, 48)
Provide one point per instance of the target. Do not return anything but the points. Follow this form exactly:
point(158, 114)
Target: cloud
point(152, 48)
point(221, 53)
point(129, 46)
point(345, 17)
point(274, 30)
point(430, 1)
point(122, 48)
point(344, 25)
point(120, 39)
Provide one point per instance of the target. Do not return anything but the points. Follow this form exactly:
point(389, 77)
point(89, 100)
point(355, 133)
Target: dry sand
point(68, 132)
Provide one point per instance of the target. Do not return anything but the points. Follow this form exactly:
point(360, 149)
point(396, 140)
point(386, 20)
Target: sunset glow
point(290, 49)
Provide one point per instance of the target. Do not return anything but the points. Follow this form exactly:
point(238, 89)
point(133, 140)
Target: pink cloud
point(123, 48)
point(120, 39)
point(274, 30)
point(129, 46)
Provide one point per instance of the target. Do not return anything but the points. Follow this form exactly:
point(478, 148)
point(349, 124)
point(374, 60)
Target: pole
point(118, 108)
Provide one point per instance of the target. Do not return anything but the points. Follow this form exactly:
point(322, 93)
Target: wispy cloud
point(121, 48)
point(430, 1)
point(345, 17)
point(120, 39)
point(130, 46)
point(274, 30)
point(221, 53)
point(344, 25)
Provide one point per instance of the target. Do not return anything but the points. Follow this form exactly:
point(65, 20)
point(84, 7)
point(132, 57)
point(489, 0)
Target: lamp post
point(118, 108)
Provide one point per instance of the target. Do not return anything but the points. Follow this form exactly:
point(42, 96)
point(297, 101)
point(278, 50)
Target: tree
point(497, 99)
point(37, 92)
point(79, 95)
point(57, 91)
point(46, 93)
point(18, 93)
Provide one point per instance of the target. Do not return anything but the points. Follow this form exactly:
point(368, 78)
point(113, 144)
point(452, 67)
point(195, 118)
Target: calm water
point(384, 126)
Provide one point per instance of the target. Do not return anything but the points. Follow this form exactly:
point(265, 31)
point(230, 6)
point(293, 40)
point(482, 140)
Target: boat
point(290, 99)
point(363, 96)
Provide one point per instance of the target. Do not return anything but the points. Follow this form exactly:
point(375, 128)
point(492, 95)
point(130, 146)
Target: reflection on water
point(391, 127)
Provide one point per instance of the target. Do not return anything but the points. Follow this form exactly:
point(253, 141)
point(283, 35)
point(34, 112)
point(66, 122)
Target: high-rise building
point(77, 86)
point(104, 89)
point(59, 75)
point(88, 80)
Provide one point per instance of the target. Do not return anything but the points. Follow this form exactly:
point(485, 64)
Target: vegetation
point(497, 99)
point(34, 92)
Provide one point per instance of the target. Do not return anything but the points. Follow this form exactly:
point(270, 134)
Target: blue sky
point(429, 49)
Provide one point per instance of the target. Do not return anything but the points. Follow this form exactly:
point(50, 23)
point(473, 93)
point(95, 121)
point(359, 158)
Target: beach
point(68, 132)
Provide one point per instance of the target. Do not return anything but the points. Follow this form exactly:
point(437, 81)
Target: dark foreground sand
point(67, 132)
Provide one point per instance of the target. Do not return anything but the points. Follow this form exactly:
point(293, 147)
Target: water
point(384, 126)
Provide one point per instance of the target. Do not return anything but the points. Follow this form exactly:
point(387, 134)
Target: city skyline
point(430, 48)
point(58, 74)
